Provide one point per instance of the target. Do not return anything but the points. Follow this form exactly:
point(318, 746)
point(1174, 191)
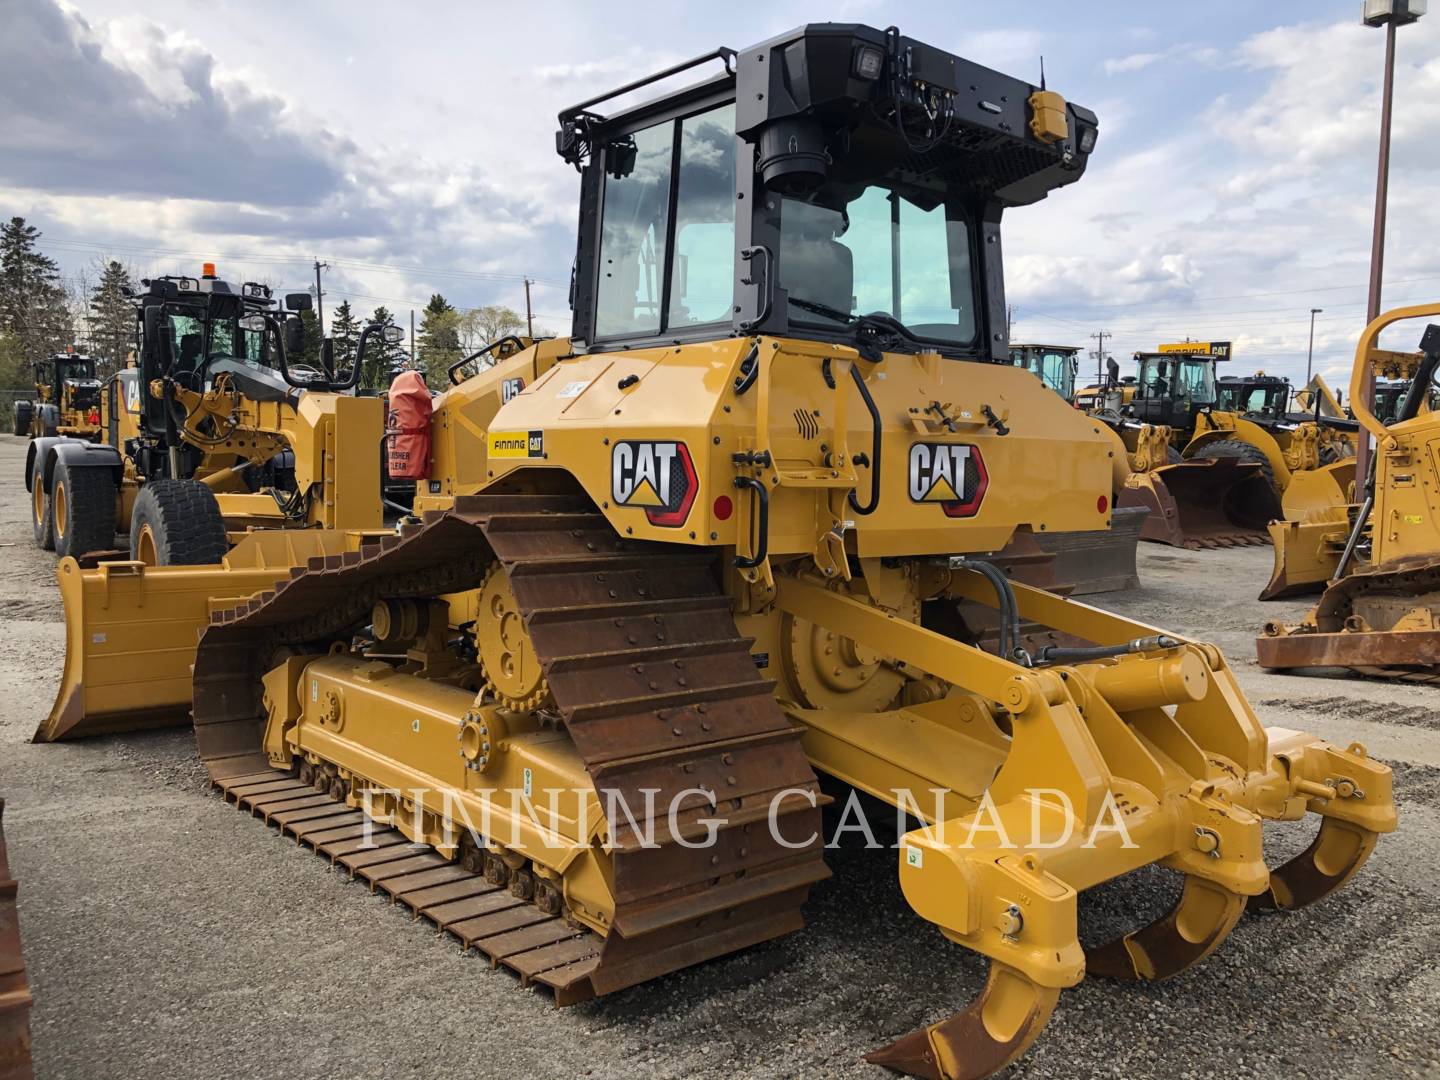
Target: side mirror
point(393, 335)
point(327, 356)
point(298, 301)
point(294, 336)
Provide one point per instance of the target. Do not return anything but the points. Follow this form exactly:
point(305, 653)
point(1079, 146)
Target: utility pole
point(412, 339)
point(1310, 355)
point(1390, 14)
point(529, 315)
point(320, 296)
point(1010, 310)
point(1100, 336)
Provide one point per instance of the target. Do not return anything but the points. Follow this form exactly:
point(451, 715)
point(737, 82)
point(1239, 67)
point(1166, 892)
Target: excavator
point(67, 399)
point(727, 538)
point(1379, 562)
point(210, 434)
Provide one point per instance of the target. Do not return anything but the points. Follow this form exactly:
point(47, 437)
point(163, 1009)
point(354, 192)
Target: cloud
point(1182, 53)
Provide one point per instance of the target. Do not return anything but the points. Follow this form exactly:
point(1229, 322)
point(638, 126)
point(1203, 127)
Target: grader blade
point(131, 630)
point(1204, 504)
point(1190, 931)
point(992, 1032)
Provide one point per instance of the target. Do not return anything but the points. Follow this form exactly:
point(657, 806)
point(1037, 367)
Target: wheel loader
point(210, 433)
point(1054, 365)
point(67, 399)
point(1379, 562)
point(725, 539)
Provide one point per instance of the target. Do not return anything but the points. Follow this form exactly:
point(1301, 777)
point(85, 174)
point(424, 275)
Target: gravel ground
point(168, 935)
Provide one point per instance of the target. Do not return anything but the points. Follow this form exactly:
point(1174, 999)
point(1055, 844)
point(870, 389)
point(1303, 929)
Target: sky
point(412, 149)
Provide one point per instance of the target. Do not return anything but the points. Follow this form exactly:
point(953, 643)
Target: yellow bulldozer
point(1379, 562)
point(210, 433)
point(724, 540)
point(67, 399)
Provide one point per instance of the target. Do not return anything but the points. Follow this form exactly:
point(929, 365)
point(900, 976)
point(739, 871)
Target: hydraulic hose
point(1062, 654)
point(1009, 607)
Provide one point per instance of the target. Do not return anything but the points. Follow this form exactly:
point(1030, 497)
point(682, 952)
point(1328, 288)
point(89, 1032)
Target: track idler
point(992, 1032)
point(1189, 932)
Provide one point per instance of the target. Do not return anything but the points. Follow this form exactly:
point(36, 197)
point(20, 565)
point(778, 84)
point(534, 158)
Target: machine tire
point(42, 507)
point(49, 421)
point(177, 523)
point(82, 509)
point(1239, 450)
point(24, 410)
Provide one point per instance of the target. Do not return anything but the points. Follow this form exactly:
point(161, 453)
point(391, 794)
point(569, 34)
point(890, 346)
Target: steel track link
point(656, 688)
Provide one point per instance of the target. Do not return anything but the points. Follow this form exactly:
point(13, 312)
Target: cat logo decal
point(951, 474)
point(657, 477)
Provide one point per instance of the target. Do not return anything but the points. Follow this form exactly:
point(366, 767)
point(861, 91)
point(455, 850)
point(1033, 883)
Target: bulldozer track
point(1228, 540)
point(656, 689)
point(15, 999)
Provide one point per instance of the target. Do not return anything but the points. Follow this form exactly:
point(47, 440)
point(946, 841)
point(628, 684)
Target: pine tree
point(112, 316)
point(439, 340)
point(34, 308)
point(345, 333)
point(382, 360)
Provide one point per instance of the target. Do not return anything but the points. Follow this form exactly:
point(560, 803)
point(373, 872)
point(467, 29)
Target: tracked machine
point(723, 540)
point(1379, 562)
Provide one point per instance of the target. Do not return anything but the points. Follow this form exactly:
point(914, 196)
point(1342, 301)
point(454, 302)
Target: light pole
point(1310, 356)
point(1390, 14)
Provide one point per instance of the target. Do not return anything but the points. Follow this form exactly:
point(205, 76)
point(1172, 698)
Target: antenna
point(1042, 71)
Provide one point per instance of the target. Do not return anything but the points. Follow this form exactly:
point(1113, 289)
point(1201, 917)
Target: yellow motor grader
point(67, 399)
point(210, 433)
point(1379, 562)
point(725, 537)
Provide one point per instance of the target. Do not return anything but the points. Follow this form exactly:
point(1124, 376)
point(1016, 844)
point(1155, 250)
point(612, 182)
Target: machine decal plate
point(517, 444)
point(657, 477)
point(951, 474)
point(510, 388)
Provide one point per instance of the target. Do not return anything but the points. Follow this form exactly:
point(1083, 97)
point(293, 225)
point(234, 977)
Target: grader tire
point(41, 507)
point(49, 421)
point(82, 509)
point(177, 523)
point(1239, 450)
point(23, 412)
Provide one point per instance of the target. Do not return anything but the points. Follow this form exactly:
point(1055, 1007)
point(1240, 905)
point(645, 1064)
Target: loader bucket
point(131, 630)
point(1204, 504)
point(1306, 552)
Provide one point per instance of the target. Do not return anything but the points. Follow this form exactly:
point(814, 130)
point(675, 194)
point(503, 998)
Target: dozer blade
point(1315, 492)
point(131, 630)
point(1306, 552)
point(1100, 561)
point(15, 997)
point(993, 1031)
point(1202, 504)
point(1189, 932)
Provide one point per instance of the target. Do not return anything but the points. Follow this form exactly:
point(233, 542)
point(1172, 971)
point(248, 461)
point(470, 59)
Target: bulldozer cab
point(830, 184)
point(1056, 365)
